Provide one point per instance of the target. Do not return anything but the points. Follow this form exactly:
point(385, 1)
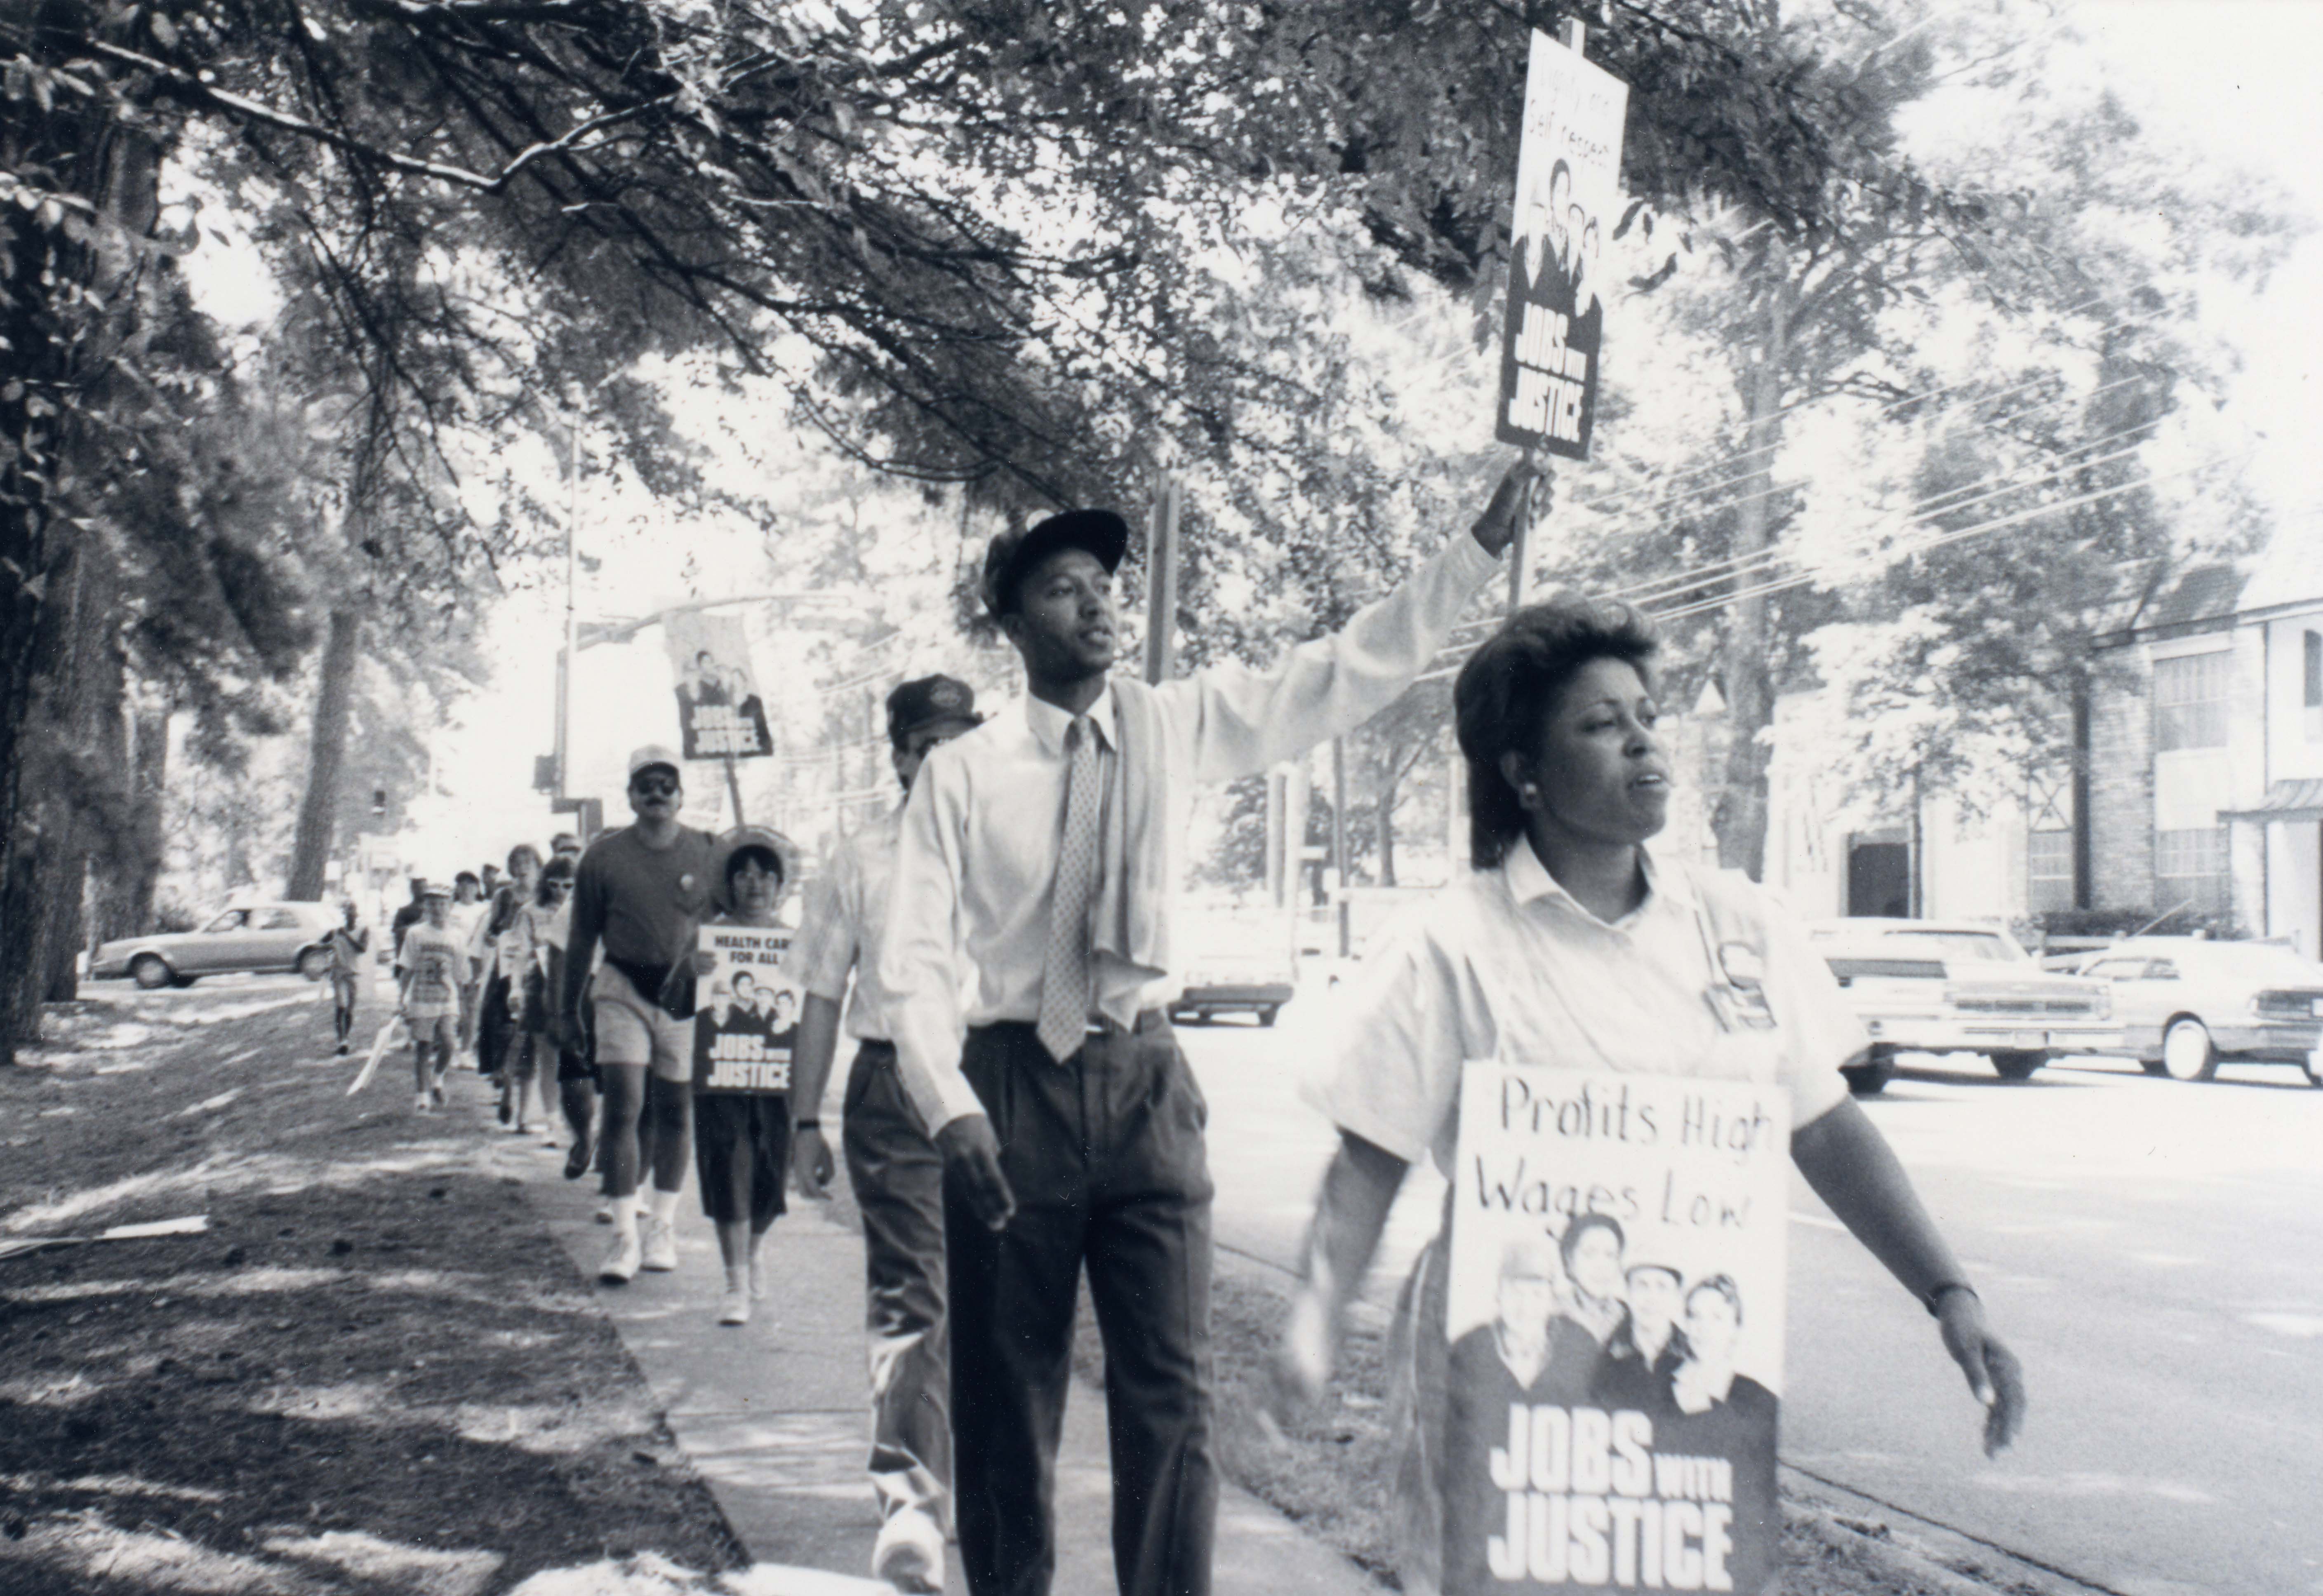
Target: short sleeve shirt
point(846, 917)
point(1506, 964)
point(438, 963)
point(648, 900)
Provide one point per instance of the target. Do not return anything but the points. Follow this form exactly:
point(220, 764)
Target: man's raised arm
point(1243, 720)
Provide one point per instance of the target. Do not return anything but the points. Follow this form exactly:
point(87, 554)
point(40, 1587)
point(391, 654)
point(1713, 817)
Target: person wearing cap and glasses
point(1027, 955)
point(894, 1168)
point(638, 895)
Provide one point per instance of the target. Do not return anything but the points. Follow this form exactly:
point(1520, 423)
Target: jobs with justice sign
point(746, 1020)
point(719, 714)
point(1568, 199)
point(1614, 1321)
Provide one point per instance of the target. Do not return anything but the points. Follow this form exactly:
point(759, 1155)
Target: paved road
point(2153, 1249)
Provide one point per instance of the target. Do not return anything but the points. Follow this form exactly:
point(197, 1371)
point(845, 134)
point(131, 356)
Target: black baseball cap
point(931, 701)
point(1014, 554)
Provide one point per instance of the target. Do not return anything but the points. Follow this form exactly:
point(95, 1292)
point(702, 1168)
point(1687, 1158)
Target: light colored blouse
point(1507, 964)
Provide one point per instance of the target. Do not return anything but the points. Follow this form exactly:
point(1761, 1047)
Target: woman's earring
point(1531, 795)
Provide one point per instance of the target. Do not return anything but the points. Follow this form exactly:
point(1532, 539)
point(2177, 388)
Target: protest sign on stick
point(1614, 1329)
point(746, 1020)
point(1567, 202)
point(719, 713)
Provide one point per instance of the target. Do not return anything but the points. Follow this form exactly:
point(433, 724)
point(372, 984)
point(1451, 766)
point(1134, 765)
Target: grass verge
point(375, 1372)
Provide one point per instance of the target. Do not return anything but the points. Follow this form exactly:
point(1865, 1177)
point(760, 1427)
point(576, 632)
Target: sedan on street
point(2187, 1005)
point(256, 938)
point(1945, 986)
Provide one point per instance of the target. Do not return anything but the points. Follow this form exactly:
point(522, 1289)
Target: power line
point(1904, 551)
point(1928, 508)
point(1600, 505)
point(1921, 546)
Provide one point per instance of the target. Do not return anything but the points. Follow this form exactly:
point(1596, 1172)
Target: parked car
point(2187, 1005)
point(258, 938)
point(1234, 965)
point(1943, 987)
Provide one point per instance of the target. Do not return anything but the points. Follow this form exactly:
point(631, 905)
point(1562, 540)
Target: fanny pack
point(668, 987)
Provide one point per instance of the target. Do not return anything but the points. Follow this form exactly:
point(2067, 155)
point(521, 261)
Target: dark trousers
point(1105, 1155)
point(897, 1177)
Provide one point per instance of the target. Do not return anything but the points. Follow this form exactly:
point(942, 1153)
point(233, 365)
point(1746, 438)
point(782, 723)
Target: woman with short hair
point(743, 1139)
point(1571, 943)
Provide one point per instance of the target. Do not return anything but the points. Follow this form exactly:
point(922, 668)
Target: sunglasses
point(648, 786)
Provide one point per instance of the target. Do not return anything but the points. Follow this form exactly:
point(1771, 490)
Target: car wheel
point(1870, 1077)
point(1266, 1015)
point(2186, 1050)
point(149, 972)
point(314, 964)
point(2018, 1063)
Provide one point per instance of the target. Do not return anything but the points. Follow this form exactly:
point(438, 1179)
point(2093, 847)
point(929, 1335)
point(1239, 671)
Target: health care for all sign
point(1615, 1332)
point(746, 1011)
point(1568, 201)
point(719, 714)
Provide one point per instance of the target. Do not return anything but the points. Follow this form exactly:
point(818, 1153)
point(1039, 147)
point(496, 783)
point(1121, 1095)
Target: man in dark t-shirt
point(640, 896)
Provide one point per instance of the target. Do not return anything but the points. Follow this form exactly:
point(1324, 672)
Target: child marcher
point(743, 1139)
point(346, 945)
point(436, 970)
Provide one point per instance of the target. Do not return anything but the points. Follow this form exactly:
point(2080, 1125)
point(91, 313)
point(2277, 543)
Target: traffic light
point(379, 803)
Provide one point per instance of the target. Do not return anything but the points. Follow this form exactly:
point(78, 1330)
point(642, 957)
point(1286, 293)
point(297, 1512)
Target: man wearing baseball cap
point(1035, 874)
point(638, 894)
point(895, 1172)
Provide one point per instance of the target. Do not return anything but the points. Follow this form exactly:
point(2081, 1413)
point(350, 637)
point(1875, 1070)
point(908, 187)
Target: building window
point(2189, 701)
point(2189, 869)
point(2314, 685)
point(2049, 870)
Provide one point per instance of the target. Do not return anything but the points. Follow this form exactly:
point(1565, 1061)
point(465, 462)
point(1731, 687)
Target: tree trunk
point(57, 291)
point(1387, 801)
point(73, 794)
point(318, 810)
point(134, 874)
point(1740, 815)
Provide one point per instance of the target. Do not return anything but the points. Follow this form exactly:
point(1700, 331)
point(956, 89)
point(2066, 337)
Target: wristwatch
point(1934, 1298)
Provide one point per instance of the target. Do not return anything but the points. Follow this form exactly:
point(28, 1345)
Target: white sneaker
point(909, 1554)
point(660, 1244)
point(620, 1265)
point(421, 1104)
point(734, 1307)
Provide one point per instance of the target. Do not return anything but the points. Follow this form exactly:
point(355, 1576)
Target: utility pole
point(1339, 843)
point(1162, 577)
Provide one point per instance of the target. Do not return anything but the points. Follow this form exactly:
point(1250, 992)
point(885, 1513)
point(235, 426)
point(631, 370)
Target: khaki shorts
point(430, 1030)
point(633, 1029)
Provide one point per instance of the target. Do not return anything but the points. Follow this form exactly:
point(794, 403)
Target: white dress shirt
point(846, 915)
point(976, 865)
point(1507, 964)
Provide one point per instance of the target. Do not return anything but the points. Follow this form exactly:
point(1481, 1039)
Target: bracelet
point(1934, 1295)
point(806, 1124)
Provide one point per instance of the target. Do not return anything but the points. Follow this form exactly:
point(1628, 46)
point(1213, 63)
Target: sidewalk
point(774, 1415)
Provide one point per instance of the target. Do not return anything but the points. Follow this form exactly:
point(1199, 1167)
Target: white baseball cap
point(654, 754)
